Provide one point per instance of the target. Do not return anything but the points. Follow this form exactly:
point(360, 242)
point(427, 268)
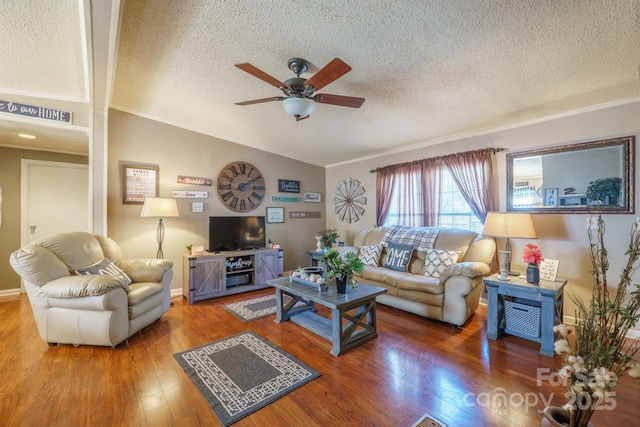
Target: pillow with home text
point(398, 256)
point(106, 266)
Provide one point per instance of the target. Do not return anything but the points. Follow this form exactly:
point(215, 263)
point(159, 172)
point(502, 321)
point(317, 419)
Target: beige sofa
point(453, 296)
point(82, 292)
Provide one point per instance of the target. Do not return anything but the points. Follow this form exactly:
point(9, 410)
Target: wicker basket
point(522, 318)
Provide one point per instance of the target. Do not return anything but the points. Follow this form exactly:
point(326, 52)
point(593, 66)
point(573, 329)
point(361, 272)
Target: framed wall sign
point(275, 215)
point(551, 197)
point(139, 182)
point(288, 186)
point(312, 197)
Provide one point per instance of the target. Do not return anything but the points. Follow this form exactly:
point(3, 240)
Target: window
point(455, 212)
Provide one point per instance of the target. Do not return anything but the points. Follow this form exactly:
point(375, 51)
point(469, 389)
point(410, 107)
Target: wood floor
point(415, 366)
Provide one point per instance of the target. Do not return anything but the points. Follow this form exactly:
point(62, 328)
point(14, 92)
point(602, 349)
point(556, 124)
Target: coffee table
point(353, 315)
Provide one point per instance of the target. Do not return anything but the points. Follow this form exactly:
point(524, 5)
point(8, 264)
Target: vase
point(533, 274)
point(341, 285)
point(555, 416)
point(319, 245)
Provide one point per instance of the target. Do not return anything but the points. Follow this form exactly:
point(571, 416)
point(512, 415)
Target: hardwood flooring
point(415, 366)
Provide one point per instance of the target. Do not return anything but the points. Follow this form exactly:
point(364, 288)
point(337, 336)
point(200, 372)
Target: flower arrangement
point(328, 237)
point(342, 266)
point(531, 254)
point(596, 349)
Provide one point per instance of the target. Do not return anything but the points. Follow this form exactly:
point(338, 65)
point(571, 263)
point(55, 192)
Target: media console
point(213, 275)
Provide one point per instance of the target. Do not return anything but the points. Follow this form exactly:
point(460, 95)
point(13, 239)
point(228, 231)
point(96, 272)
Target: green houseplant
point(328, 237)
point(189, 246)
point(342, 268)
point(602, 188)
point(596, 348)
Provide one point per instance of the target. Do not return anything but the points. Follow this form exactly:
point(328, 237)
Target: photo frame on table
point(275, 215)
point(551, 197)
point(139, 182)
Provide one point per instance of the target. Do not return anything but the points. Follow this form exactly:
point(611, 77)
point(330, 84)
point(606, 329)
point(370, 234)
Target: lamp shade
point(158, 207)
point(516, 225)
point(298, 107)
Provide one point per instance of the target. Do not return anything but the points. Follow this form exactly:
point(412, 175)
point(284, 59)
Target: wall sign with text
point(139, 182)
point(288, 186)
point(312, 197)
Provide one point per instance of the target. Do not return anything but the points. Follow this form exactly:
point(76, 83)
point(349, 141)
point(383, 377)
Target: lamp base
point(503, 276)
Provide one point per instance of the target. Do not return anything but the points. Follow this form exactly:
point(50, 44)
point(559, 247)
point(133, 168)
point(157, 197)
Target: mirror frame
point(628, 162)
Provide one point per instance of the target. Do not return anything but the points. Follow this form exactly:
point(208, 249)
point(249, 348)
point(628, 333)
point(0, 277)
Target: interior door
point(55, 198)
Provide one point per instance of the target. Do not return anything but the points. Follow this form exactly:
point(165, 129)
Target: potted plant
point(604, 190)
point(596, 348)
point(342, 268)
point(189, 246)
point(328, 237)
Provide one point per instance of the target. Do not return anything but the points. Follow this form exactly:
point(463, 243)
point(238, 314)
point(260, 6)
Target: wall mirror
point(589, 177)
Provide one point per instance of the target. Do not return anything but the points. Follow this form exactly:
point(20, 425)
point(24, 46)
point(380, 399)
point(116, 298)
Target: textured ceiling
point(429, 70)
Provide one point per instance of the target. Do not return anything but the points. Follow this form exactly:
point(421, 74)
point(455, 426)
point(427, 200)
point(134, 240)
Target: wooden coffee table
point(353, 315)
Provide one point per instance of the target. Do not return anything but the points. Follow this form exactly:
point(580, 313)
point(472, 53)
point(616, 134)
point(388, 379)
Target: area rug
point(428, 421)
point(253, 309)
point(240, 374)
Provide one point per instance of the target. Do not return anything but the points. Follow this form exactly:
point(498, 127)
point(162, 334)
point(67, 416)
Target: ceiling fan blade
point(344, 101)
point(258, 101)
point(256, 72)
point(331, 72)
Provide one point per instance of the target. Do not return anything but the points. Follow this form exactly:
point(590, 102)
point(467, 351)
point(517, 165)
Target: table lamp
point(158, 207)
point(509, 225)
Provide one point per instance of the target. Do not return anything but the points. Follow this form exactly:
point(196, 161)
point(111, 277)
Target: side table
point(314, 257)
point(546, 297)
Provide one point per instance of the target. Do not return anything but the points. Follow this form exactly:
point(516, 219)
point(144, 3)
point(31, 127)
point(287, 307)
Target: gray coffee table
point(346, 329)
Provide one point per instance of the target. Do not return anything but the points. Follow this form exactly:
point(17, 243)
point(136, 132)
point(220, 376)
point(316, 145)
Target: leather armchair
point(74, 306)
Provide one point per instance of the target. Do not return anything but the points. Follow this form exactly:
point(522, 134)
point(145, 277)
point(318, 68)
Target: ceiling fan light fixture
point(298, 107)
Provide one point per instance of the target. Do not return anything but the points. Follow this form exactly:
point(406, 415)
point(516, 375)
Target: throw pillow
point(436, 260)
point(105, 267)
point(398, 256)
point(370, 255)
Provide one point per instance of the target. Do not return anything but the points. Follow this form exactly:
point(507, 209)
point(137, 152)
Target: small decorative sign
point(288, 186)
point(35, 111)
point(549, 269)
point(285, 199)
point(139, 182)
point(190, 194)
point(312, 197)
point(193, 180)
point(275, 215)
point(304, 214)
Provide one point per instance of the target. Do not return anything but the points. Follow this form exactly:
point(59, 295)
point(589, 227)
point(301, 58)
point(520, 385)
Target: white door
point(55, 198)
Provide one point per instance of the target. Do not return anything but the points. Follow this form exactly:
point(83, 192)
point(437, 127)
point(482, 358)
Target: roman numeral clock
point(241, 186)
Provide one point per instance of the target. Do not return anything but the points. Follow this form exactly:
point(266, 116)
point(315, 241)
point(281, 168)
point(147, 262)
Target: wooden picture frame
point(275, 215)
point(139, 182)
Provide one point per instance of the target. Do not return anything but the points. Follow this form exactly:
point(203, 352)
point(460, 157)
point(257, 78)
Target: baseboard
point(9, 292)
point(176, 293)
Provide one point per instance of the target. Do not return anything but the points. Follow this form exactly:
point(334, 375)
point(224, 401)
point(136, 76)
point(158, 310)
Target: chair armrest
point(81, 286)
point(145, 270)
point(467, 269)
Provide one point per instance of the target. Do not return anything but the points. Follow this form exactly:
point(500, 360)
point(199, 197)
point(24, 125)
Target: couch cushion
point(370, 255)
point(105, 267)
point(75, 249)
point(398, 256)
point(416, 282)
point(436, 260)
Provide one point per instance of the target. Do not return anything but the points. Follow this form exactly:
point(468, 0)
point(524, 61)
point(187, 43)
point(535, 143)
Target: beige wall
point(561, 237)
point(176, 152)
point(10, 161)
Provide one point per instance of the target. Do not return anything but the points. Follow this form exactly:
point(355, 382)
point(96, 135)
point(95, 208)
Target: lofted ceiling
point(430, 71)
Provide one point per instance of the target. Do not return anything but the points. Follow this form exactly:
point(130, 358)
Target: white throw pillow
point(370, 255)
point(436, 260)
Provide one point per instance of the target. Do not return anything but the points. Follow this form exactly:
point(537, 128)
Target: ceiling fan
point(299, 92)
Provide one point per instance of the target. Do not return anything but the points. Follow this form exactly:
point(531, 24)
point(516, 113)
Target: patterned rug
point(240, 374)
point(253, 309)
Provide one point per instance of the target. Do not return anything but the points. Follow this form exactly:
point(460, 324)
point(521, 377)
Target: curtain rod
point(493, 150)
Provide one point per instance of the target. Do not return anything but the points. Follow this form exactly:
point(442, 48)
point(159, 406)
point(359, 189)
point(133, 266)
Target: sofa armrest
point(145, 270)
point(467, 269)
point(81, 286)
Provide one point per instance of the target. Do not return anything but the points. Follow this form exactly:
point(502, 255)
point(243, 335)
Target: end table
point(545, 297)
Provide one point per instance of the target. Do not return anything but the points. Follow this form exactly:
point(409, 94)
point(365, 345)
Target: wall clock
point(348, 198)
point(241, 186)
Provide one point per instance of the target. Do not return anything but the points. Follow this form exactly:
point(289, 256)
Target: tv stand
point(217, 274)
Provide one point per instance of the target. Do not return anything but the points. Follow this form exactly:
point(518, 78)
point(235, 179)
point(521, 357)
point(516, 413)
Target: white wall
point(561, 237)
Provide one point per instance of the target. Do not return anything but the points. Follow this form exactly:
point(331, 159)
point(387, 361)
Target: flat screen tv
point(232, 233)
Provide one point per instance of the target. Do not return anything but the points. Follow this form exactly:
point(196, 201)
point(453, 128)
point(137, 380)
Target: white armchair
point(82, 292)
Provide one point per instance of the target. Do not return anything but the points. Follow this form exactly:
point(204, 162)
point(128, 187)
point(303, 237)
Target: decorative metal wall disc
point(348, 198)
